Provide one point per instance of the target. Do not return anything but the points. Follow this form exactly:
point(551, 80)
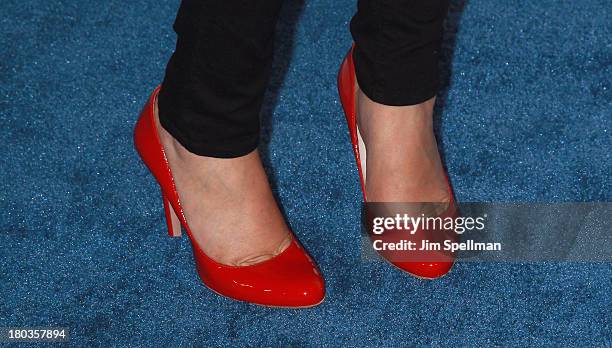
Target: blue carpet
point(525, 116)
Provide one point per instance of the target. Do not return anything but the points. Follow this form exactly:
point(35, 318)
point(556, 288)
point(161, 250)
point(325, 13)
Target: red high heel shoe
point(290, 279)
point(433, 265)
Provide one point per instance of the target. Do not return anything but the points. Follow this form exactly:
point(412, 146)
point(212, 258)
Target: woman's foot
point(228, 204)
point(403, 162)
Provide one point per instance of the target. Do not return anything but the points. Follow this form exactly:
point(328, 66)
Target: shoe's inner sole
point(362, 155)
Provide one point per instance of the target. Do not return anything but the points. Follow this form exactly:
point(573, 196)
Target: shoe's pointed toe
point(300, 281)
point(307, 285)
point(290, 279)
point(425, 270)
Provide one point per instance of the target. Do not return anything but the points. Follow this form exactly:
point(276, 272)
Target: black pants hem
point(377, 95)
point(200, 147)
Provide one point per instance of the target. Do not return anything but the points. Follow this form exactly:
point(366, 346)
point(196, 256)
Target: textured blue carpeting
point(526, 116)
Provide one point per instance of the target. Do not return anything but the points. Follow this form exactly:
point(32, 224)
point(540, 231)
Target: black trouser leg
point(397, 48)
point(216, 79)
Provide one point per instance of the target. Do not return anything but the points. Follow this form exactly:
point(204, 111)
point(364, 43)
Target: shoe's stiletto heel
point(174, 224)
point(289, 279)
point(425, 270)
